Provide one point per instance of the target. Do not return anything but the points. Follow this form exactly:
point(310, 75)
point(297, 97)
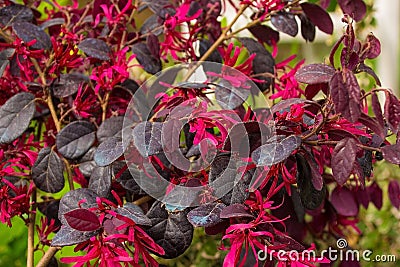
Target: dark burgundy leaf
point(203, 48)
point(373, 124)
point(354, 8)
point(95, 48)
point(394, 193)
point(362, 197)
point(315, 74)
point(82, 220)
point(126, 178)
point(206, 215)
point(375, 195)
point(286, 23)
point(47, 172)
point(391, 153)
point(153, 45)
point(68, 84)
point(49, 208)
point(135, 213)
point(149, 62)
point(235, 211)
point(86, 163)
point(372, 47)
point(265, 34)
point(172, 231)
point(307, 28)
point(13, 13)
point(311, 198)
point(218, 228)
point(75, 199)
point(392, 111)
point(376, 107)
point(109, 151)
point(263, 63)
point(156, 5)
point(68, 236)
point(324, 3)
point(75, 139)
point(147, 138)
point(28, 32)
point(100, 181)
point(275, 152)
point(343, 159)
point(343, 201)
point(52, 22)
point(287, 103)
point(109, 128)
point(230, 97)
point(316, 177)
point(318, 16)
point(346, 94)
point(152, 25)
point(364, 68)
point(313, 89)
point(15, 116)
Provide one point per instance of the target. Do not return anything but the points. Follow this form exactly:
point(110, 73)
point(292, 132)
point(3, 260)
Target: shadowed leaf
point(206, 215)
point(68, 236)
point(286, 23)
point(343, 201)
point(95, 48)
point(28, 32)
point(343, 159)
point(318, 16)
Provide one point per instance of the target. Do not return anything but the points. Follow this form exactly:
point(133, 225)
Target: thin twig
point(142, 200)
point(31, 233)
point(44, 261)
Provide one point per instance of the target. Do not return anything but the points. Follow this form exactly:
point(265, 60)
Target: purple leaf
point(206, 215)
point(263, 63)
point(230, 97)
point(324, 3)
point(315, 74)
point(28, 32)
point(310, 197)
point(346, 94)
point(95, 48)
point(13, 13)
point(313, 89)
point(153, 45)
point(203, 48)
point(343, 159)
point(364, 68)
point(286, 23)
point(316, 177)
point(344, 202)
point(391, 153)
point(147, 138)
point(75, 139)
point(68, 236)
point(392, 111)
point(372, 123)
point(149, 62)
point(68, 84)
point(82, 220)
point(134, 213)
point(109, 151)
point(234, 211)
point(376, 107)
point(307, 28)
point(354, 8)
point(394, 193)
point(362, 197)
point(375, 195)
point(109, 128)
point(100, 181)
point(318, 16)
point(275, 152)
point(372, 47)
point(47, 172)
point(15, 116)
point(265, 34)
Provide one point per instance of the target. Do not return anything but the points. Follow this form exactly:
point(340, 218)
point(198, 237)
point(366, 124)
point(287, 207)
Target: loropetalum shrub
point(123, 165)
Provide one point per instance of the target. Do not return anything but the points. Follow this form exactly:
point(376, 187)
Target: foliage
point(124, 165)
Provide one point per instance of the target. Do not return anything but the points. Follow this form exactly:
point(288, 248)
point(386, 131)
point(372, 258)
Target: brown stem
point(142, 200)
point(104, 104)
point(53, 112)
point(330, 142)
point(31, 233)
point(44, 261)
